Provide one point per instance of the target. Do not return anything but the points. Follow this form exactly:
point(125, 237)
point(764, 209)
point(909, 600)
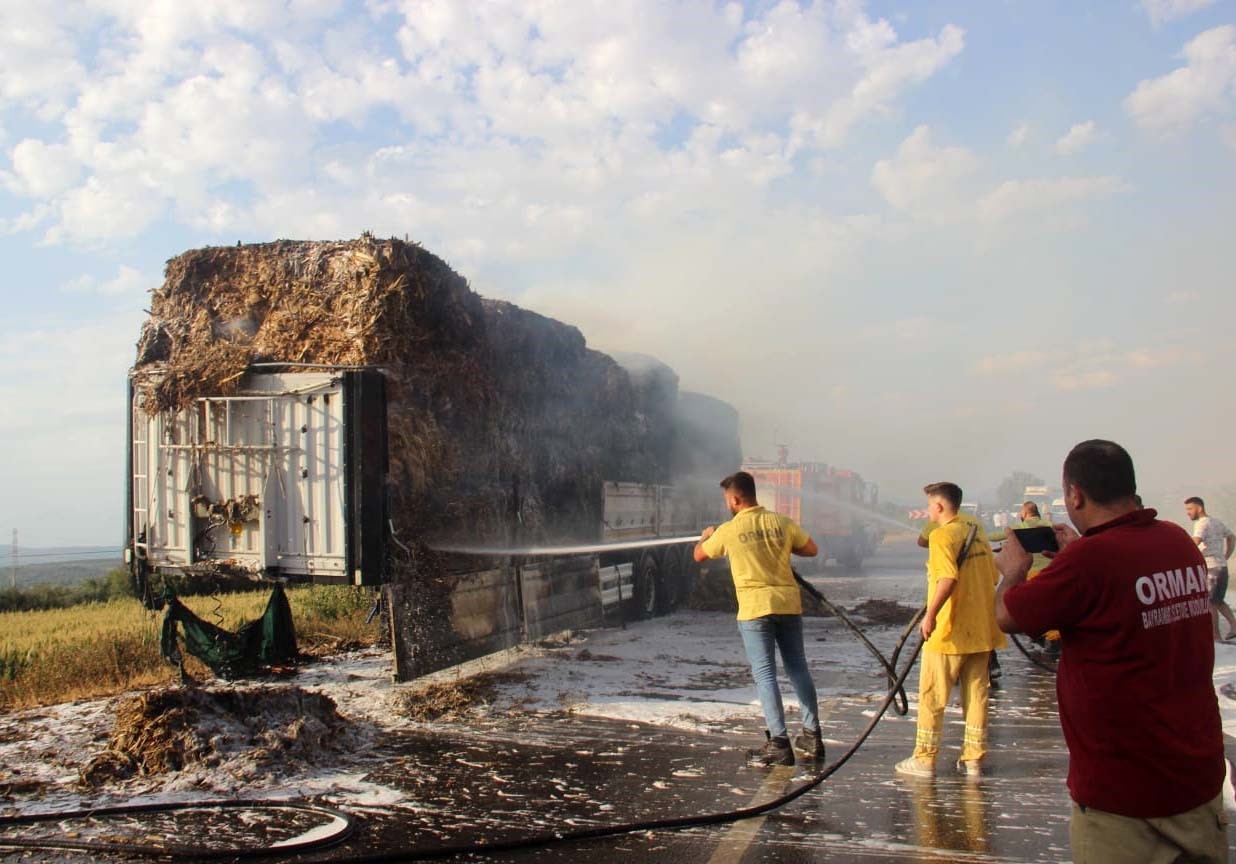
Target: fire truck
point(832, 504)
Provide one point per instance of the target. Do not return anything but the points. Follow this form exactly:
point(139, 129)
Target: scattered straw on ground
point(885, 612)
point(173, 729)
point(452, 698)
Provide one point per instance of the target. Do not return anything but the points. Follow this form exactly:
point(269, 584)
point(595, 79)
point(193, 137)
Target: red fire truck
point(833, 505)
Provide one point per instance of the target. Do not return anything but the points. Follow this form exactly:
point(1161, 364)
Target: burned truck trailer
point(336, 412)
point(286, 480)
point(282, 479)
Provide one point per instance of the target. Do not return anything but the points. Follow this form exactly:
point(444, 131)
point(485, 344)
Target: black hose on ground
point(896, 688)
point(1046, 667)
point(900, 703)
point(312, 841)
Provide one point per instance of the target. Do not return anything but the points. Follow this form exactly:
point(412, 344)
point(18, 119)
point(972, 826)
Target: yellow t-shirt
point(966, 623)
point(758, 544)
point(925, 534)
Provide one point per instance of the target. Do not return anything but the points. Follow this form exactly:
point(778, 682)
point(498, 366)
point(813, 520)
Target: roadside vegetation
point(105, 643)
point(116, 583)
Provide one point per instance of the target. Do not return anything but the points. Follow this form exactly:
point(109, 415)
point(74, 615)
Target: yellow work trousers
point(937, 676)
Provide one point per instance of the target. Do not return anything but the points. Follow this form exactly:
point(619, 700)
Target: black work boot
point(776, 751)
point(810, 745)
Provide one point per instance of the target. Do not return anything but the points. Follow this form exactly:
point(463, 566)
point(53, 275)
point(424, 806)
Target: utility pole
point(13, 550)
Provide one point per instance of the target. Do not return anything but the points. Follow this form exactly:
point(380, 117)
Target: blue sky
point(923, 240)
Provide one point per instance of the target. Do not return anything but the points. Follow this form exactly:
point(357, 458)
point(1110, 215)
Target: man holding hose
point(759, 543)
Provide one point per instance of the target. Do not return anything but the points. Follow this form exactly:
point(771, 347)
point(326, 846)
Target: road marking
point(738, 838)
point(740, 835)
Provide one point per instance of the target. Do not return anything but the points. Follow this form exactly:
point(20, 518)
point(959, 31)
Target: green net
point(257, 645)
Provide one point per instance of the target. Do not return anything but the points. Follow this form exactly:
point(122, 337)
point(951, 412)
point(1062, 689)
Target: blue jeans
point(761, 637)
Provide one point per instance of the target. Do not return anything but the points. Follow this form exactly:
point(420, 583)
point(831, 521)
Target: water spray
point(550, 551)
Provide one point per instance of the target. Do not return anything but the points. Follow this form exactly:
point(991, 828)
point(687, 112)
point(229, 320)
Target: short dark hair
point(1102, 469)
point(950, 492)
point(1195, 500)
point(741, 483)
point(1032, 507)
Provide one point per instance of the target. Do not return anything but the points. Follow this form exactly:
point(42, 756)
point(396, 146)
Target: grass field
point(98, 649)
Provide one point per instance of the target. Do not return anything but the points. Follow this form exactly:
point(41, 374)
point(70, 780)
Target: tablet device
point(1041, 539)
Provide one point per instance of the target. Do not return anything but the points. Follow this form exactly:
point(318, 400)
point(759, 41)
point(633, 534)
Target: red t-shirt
point(1136, 692)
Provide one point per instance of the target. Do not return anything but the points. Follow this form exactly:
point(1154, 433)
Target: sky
point(928, 240)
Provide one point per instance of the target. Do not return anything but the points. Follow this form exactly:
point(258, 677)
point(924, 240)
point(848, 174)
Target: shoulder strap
point(965, 547)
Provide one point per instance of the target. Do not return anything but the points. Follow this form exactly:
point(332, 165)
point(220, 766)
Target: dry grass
point(100, 649)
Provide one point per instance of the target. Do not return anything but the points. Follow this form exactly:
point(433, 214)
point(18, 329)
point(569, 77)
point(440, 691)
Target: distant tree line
point(116, 583)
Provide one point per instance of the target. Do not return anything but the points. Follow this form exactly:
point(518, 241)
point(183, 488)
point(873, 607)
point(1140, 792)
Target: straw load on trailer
point(479, 392)
point(328, 410)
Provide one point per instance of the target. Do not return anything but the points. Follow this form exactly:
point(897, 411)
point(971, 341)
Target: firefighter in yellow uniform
point(994, 672)
point(960, 632)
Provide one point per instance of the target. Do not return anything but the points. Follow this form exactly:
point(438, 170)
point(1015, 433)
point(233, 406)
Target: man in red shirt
point(1137, 701)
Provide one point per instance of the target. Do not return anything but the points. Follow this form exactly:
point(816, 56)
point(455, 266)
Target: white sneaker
point(971, 768)
point(915, 767)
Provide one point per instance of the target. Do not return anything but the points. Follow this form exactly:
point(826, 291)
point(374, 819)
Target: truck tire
point(647, 586)
point(672, 579)
point(690, 574)
point(850, 556)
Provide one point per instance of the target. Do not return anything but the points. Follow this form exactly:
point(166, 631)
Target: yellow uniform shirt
point(966, 623)
point(758, 544)
point(925, 534)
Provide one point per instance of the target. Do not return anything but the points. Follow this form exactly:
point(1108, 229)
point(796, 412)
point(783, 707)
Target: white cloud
point(1092, 379)
point(1019, 135)
point(1095, 366)
point(1204, 86)
point(1020, 197)
point(890, 67)
point(1014, 361)
point(40, 170)
point(922, 176)
point(1169, 10)
point(220, 114)
point(1077, 139)
point(1159, 358)
point(127, 281)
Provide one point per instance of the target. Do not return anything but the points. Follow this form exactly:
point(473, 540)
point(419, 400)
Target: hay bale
point(498, 417)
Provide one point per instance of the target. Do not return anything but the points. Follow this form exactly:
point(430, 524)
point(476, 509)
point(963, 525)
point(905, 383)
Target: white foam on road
point(685, 671)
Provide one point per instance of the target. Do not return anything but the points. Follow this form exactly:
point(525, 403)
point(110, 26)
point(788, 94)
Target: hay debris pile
point(487, 401)
point(244, 732)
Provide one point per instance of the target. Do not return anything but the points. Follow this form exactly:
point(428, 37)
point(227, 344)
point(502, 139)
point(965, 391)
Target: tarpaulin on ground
point(268, 641)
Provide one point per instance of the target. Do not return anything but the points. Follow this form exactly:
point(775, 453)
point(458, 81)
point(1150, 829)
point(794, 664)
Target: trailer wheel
point(672, 565)
point(851, 557)
point(690, 575)
point(647, 586)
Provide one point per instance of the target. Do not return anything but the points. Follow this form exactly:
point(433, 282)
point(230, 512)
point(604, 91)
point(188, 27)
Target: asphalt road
point(545, 774)
point(496, 780)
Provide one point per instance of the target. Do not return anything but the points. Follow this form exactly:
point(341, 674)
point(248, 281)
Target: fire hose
point(1046, 667)
point(345, 824)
